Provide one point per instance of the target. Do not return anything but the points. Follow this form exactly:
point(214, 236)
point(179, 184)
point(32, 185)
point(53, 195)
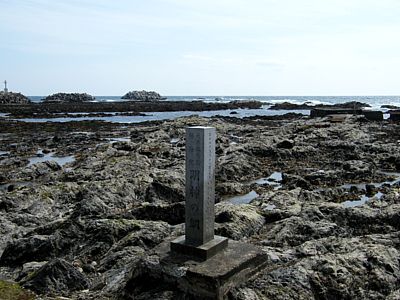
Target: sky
point(201, 47)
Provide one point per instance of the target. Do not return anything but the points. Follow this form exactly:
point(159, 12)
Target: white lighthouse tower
point(5, 87)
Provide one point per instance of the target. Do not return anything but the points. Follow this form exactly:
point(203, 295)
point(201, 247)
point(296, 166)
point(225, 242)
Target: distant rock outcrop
point(388, 106)
point(308, 105)
point(352, 104)
point(69, 97)
point(143, 96)
point(13, 98)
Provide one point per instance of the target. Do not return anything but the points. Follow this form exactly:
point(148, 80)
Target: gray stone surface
point(234, 266)
point(213, 278)
point(204, 251)
point(200, 185)
point(199, 240)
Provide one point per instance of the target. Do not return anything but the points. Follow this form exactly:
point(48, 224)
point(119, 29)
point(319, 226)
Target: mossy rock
point(13, 291)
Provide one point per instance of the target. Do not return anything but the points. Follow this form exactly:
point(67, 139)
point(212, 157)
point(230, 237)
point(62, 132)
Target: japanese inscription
point(200, 190)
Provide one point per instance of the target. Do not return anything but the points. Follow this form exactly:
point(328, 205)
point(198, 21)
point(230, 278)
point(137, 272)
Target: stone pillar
point(200, 190)
point(199, 239)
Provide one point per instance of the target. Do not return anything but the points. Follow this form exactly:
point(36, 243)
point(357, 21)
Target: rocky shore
point(328, 217)
point(34, 110)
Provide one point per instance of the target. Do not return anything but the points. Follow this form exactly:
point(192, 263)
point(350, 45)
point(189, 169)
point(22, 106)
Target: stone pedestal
point(213, 278)
point(202, 252)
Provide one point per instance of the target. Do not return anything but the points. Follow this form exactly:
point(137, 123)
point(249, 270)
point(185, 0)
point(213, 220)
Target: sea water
point(374, 101)
point(171, 115)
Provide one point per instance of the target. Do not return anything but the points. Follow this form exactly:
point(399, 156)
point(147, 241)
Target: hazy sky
point(201, 47)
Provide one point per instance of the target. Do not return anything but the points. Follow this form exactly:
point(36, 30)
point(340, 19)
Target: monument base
point(202, 252)
point(210, 279)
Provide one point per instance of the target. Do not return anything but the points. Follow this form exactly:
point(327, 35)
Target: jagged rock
point(293, 181)
point(13, 98)
point(285, 144)
point(143, 96)
point(166, 187)
point(237, 221)
point(57, 277)
point(34, 248)
point(28, 269)
point(69, 97)
point(95, 213)
point(171, 213)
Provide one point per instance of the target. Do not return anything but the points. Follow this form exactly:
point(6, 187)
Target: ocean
point(374, 101)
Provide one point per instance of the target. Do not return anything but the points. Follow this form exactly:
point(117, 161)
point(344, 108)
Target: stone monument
point(200, 264)
point(5, 87)
point(199, 239)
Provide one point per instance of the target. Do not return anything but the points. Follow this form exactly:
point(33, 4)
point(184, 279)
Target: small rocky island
point(143, 96)
point(69, 97)
point(13, 98)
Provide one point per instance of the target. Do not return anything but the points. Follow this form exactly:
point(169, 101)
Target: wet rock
point(7, 204)
point(370, 189)
point(295, 230)
point(324, 177)
point(92, 206)
point(237, 221)
point(125, 146)
point(43, 168)
point(166, 187)
point(237, 166)
point(34, 248)
point(279, 205)
point(285, 144)
point(293, 181)
point(391, 162)
point(57, 277)
point(339, 268)
point(171, 213)
point(28, 269)
point(358, 168)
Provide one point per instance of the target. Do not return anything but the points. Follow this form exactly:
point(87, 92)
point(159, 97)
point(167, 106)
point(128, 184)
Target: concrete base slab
point(203, 252)
point(213, 278)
